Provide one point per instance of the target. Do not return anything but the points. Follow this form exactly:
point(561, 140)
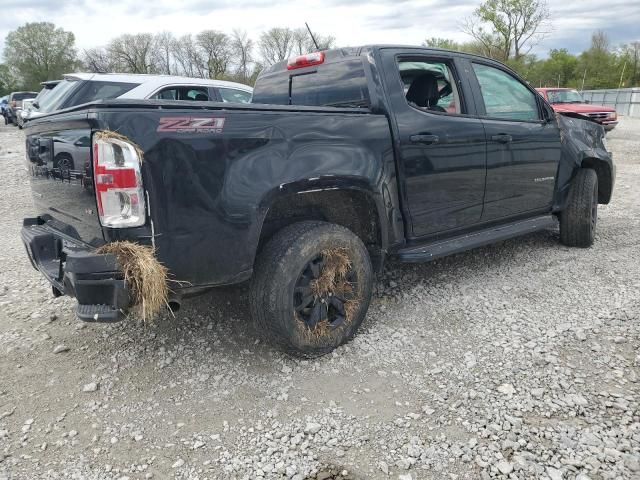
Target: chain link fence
point(626, 101)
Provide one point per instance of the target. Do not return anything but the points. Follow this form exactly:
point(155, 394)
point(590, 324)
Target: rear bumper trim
point(74, 269)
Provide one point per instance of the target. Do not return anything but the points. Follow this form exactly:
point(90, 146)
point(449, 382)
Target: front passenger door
point(523, 148)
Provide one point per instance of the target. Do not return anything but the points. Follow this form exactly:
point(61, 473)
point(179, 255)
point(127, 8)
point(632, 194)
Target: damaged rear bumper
point(73, 268)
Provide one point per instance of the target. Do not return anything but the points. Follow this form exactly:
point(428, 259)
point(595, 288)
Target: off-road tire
point(578, 221)
point(278, 268)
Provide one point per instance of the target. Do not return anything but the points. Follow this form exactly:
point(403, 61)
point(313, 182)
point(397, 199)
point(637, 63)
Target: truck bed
point(210, 173)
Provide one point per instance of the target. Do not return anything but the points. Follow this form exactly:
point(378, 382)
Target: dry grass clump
point(336, 266)
point(111, 135)
point(145, 276)
point(333, 279)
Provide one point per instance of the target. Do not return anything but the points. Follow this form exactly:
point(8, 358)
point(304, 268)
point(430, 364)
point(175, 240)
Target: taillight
point(308, 60)
point(118, 183)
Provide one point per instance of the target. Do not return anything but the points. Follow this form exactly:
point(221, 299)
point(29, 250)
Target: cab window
point(430, 86)
point(504, 96)
point(232, 95)
point(198, 94)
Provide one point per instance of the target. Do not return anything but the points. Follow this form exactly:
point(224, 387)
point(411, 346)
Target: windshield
point(54, 98)
point(564, 96)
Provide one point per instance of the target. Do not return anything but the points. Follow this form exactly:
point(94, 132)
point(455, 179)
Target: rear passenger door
point(523, 144)
point(439, 139)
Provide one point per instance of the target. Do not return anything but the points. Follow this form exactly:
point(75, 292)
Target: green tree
point(39, 51)
point(508, 29)
point(446, 43)
point(8, 82)
point(630, 59)
point(559, 70)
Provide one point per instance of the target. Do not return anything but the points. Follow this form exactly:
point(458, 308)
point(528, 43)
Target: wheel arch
point(349, 202)
point(604, 172)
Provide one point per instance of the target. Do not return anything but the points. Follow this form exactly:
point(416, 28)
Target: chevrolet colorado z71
point(345, 158)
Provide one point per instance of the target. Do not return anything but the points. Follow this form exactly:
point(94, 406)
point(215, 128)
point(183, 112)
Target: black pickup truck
point(345, 158)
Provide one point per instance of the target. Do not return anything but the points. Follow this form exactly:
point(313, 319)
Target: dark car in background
point(4, 101)
point(15, 105)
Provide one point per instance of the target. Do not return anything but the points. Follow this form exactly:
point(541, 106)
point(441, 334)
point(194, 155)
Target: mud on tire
point(579, 218)
point(311, 288)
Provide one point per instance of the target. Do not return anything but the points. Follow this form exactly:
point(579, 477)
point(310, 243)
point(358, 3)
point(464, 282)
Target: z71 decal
point(191, 124)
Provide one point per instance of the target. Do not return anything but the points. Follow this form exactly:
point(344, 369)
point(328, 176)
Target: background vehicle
point(31, 111)
point(79, 88)
point(23, 113)
point(351, 162)
point(15, 105)
point(4, 101)
point(570, 100)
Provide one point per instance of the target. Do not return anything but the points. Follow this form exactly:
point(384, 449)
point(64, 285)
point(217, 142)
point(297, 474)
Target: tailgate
point(60, 173)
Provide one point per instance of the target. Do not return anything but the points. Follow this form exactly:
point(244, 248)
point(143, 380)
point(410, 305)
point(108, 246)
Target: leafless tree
point(276, 45)
point(304, 42)
point(600, 41)
point(134, 53)
point(217, 50)
point(98, 60)
point(163, 53)
point(242, 47)
point(188, 57)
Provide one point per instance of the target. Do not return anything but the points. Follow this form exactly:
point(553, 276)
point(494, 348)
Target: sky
point(353, 22)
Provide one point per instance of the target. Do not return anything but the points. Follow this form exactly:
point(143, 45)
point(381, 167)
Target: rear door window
point(429, 85)
point(233, 95)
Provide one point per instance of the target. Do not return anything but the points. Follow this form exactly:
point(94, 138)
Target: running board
point(441, 248)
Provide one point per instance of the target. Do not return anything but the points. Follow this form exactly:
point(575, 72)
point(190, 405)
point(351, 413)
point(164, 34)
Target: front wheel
point(579, 219)
point(311, 288)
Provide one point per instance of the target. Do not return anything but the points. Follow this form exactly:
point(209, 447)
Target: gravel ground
point(517, 361)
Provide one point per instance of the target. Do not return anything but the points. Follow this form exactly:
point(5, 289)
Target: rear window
point(91, 91)
point(340, 84)
point(23, 95)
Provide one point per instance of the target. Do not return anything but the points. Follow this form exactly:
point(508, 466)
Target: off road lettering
point(191, 124)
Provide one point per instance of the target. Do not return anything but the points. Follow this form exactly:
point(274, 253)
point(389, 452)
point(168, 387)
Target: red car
point(569, 100)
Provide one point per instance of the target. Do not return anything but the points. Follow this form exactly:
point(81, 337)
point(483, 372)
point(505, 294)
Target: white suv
point(79, 88)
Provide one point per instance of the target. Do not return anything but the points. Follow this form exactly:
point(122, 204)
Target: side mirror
point(36, 105)
point(587, 101)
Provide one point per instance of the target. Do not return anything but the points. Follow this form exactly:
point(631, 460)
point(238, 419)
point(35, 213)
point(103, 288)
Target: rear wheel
point(63, 161)
point(311, 288)
point(579, 219)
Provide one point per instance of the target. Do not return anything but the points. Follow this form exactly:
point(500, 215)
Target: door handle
point(426, 139)
point(502, 138)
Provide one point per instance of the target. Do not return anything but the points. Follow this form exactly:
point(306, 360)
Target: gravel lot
point(517, 361)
